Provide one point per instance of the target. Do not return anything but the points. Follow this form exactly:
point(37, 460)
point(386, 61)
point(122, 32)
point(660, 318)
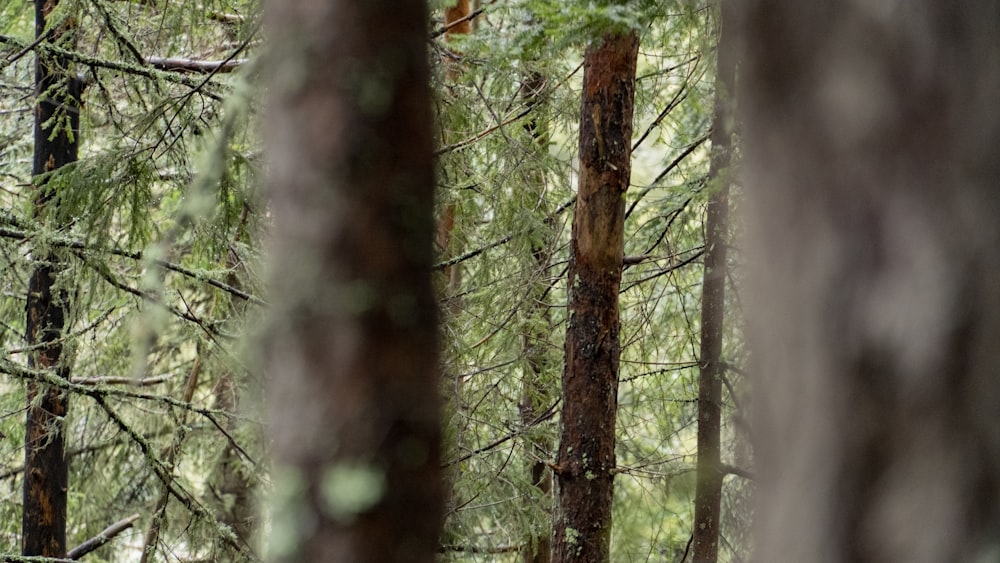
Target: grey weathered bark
point(871, 131)
point(351, 350)
point(586, 461)
point(46, 469)
point(708, 485)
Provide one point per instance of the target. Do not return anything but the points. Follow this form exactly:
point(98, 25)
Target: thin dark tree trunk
point(708, 486)
point(232, 481)
point(537, 389)
point(46, 470)
point(352, 347)
point(585, 468)
point(871, 135)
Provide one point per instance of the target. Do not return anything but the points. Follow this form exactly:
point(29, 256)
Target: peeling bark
point(586, 460)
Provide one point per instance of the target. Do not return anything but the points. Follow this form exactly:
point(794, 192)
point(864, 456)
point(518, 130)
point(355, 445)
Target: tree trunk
point(872, 174)
point(708, 486)
point(537, 389)
point(232, 480)
point(46, 475)
point(456, 23)
point(352, 346)
point(586, 461)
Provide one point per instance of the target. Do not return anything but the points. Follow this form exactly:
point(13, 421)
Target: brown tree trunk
point(456, 23)
point(871, 134)
point(708, 486)
point(352, 347)
point(46, 470)
point(586, 461)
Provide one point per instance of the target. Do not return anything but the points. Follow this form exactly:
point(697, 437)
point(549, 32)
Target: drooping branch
point(100, 392)
point(74, 244)
point(165, 477)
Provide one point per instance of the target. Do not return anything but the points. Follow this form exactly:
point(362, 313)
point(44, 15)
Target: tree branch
point(119, 380)
point(177, 64)
point(477, 251)
point(472, 15)
point(72, 244)
point(102, 538)
point(727, 469)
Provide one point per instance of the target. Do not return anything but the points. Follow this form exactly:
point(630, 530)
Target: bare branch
point(176, 64)
point(119, 380)
point(102, 538)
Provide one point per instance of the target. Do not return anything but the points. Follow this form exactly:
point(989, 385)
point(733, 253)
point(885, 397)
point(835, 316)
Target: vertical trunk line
point(585, 465)
point(46, 469)
point(536, 391)
point(452, 274)
point(708, 486)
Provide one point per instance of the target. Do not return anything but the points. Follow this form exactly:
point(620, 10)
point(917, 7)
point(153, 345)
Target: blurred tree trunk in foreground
point(873, 184)
point(352, 342)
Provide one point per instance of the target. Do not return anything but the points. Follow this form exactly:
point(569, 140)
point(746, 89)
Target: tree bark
point(352, 346)
point(456, 23)
point(871, 176)
point(46, 470)
point(708, 485)
point(586, 459)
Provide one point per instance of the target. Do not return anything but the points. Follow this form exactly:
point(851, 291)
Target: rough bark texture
point(351, 349)
point(708, 486)
point(46, 477)
point(870, 148)
point(586, 462)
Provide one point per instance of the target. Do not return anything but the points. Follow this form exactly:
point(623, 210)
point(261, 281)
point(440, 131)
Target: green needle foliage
point(160, 227)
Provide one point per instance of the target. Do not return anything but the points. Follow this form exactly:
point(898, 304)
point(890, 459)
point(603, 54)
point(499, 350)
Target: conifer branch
point(477, 251)
point(72, 244)
point(97, 62)
point(165, 477)
point(546, 414)
point(673, 164)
